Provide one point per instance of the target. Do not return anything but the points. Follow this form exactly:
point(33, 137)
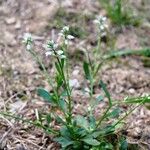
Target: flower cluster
point(52, 47)
point(101, 21)
point(65, 34)
point(27, 39)
point(52, 50)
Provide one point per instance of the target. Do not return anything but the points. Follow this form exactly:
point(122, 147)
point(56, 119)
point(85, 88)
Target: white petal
point(62, 56)
point(66, 42)
point(66, 28)
point(61, 34)
point(74, 83)
point(59, 52)
point(96, 21)
point(55, 46)
point(49, 53)
point(101, 27)
point(27, 35)
point(28, 47)
point(70, 37)
point(87, 90)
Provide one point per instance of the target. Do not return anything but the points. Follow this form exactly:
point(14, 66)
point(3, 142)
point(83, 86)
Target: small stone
point(132, 91)
point(20, 147)
point(47, 12)
point(11, 20)
point(9, 38)
point(18, 25)
point(74, 83)
point(75, 72)
point(42, 16)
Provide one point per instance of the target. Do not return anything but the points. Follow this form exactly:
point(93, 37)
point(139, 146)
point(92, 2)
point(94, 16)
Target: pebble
point(18, 25)
point(11, 20)
point(75, 72)
point(132, 91)
point(9, 38)
point(74, 83)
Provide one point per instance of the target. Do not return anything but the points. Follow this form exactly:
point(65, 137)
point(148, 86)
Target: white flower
point(100, 20)
point(65, 34)
point(65, 28)
point(59, 52)
point(27, 38)
point(66, 42)
point(64, 31)
point(62, 56)
point(51, 45)
point(49, 53)
point(102, 24)
point(28, 46)
point(70, 37)
point(87, 90)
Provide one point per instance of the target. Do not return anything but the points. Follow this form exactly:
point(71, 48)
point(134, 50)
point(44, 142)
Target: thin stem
point(127, 114)
point(67, 63)
point(66, 87)
point(44, 71)
point(29, 121)
point(104, 116)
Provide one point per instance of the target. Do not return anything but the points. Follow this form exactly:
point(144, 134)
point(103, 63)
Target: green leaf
point(48, 118)
point(123, 145)
point(45, 95)
point(102, 132)
point(62, 105)
point(87, 70)
point(108, 129)
point(60, 120)
point(105, 146)
point(64, 93)
point(115, 113)
point(65, 132)
point(91, 141)
point(58, 68)
point(92, 122)
point(106, 91)
point(59, 80)
point(95, 103)
point(63, 141)
point(99, 98)
point(82, 122)
point(143, 100)
point(62, 62)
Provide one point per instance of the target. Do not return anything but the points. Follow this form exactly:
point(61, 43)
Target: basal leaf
point(106, 91)
point(145, 99)
point(63, 141)
point(82, 122)
point(86, 70)
point(45, 95)
point(91, 141)
point(62, 105)
point(115, 113)
point(123, 145)
point(48, 118)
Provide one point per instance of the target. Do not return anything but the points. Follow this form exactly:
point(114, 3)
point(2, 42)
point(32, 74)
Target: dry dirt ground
point(20, 75)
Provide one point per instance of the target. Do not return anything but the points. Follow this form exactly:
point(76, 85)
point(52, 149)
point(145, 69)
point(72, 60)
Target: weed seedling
point(79, 132)
point(118, 13)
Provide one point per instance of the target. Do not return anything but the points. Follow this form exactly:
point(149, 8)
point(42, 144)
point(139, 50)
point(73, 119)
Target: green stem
point(67, 89)
point(67, 63)
point(44, 71)
point(29, 121)
point(117, 53)
point(104, 116)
